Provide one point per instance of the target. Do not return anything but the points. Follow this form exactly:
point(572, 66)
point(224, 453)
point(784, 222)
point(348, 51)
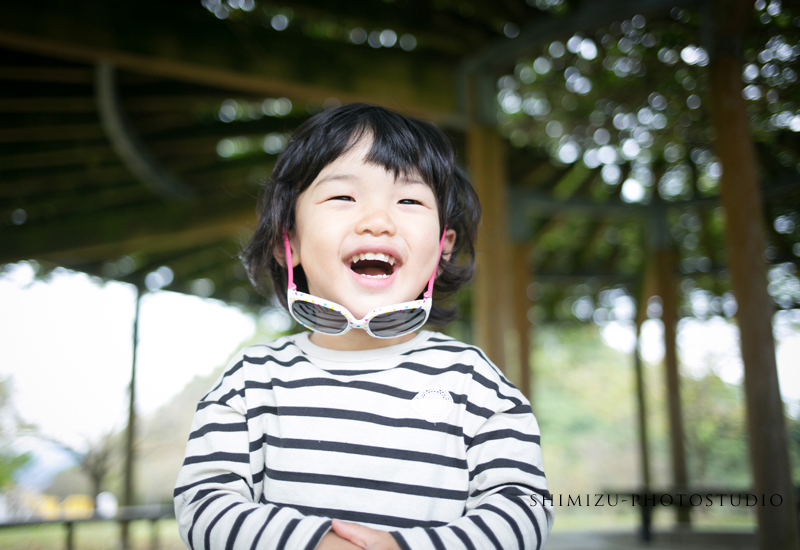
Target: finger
point(355, 533)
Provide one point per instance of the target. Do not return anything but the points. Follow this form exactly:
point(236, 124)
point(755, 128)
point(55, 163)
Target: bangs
point(402, 146)
point(406, 149)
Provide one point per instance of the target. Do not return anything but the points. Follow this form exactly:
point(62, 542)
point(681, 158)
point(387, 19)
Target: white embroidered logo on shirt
point(432, 404)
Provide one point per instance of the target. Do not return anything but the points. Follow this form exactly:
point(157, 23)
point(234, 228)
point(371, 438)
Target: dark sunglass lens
point(319, 318)
point(397, 322)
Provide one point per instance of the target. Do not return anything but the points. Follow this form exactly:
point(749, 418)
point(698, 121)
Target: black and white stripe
point(293, 435)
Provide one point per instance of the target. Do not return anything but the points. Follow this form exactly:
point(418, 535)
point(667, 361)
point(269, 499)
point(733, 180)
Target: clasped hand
point(351, 536)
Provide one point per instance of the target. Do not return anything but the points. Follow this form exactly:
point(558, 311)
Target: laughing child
point(366, 432)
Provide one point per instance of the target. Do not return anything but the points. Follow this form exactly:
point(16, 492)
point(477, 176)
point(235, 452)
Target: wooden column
point(522, 326)
point(641, 403)
point(663, 267)
point(645, 291)
point(667, 289)
point(486, 156)
point(130, 433)
point(744, 235)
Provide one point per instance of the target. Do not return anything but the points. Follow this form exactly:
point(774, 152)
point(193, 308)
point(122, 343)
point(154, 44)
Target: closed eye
point(342, 198)
point(409, 201)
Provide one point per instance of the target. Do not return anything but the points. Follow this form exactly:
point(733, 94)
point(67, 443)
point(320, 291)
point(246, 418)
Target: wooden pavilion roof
point(135, 136)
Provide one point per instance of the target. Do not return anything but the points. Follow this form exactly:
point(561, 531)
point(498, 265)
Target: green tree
point(716, 434)
point(10, 424)
point(95, 460)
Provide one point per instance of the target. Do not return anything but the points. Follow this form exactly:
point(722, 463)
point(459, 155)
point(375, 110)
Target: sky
point(66, 345)
point(712, 345)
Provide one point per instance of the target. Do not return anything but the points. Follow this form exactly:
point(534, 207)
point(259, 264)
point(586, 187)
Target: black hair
point(401, 145)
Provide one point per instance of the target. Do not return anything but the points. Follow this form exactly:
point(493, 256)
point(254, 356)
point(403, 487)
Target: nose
point(376, 222)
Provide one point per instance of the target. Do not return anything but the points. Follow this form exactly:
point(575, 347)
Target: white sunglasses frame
point(293, 295)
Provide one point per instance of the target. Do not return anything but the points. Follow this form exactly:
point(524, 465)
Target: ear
point(449, 243)
point(279, 252)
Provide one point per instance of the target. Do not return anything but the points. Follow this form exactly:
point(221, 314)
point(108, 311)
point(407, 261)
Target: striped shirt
point(425, 439)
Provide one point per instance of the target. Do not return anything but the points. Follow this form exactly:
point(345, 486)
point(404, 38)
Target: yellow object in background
point(77, 507)
point(44, 506)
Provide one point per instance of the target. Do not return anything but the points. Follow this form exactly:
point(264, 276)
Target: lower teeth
point(376, 276)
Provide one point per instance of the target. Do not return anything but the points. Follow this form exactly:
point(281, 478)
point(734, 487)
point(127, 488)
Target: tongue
point(372, 267)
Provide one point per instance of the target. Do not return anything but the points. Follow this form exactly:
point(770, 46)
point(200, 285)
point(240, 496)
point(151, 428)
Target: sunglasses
point(328, 317)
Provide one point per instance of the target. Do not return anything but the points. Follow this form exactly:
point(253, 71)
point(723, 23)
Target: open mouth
point(373, 264)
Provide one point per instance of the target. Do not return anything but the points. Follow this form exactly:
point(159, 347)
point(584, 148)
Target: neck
point(356, 340)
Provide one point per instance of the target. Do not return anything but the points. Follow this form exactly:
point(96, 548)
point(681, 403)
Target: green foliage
point(10, 463)
point(716, 432)
point(585, 402)
point(793, 429)
point(10, 460)
point(626, 108)
point(585, 407)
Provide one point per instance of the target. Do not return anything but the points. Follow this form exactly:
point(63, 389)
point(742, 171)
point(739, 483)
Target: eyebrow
point(334, 177)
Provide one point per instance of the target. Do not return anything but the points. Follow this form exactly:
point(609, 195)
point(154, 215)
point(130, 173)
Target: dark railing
point(649, 501)
point(152, 513)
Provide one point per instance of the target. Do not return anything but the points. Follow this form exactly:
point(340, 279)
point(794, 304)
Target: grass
point(89, 536)
point(105, 535)
point(627, 518)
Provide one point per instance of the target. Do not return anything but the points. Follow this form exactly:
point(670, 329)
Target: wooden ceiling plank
point(109, 235)
point(51, 206)
point(55, 132)
point(47, 105)
point(63, 181)
point(431, 101)
point(60, 75)
point(93, 154)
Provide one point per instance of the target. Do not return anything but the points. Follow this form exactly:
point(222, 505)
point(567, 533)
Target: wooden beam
point(487, 165)
point(744, 237)
point(141, 104)
point(533, 202)
point(126, 143)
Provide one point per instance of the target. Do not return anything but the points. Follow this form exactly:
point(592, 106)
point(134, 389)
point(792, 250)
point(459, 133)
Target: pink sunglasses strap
point(289, 260)
point(429, 292)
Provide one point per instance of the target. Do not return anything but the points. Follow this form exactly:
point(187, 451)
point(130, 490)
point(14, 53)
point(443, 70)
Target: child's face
point(355, 208)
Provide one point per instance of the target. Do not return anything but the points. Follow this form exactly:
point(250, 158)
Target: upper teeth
point(373, 256)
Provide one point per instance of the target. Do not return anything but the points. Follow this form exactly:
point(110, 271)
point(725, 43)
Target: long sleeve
point(505, 509)
point(216, 502)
